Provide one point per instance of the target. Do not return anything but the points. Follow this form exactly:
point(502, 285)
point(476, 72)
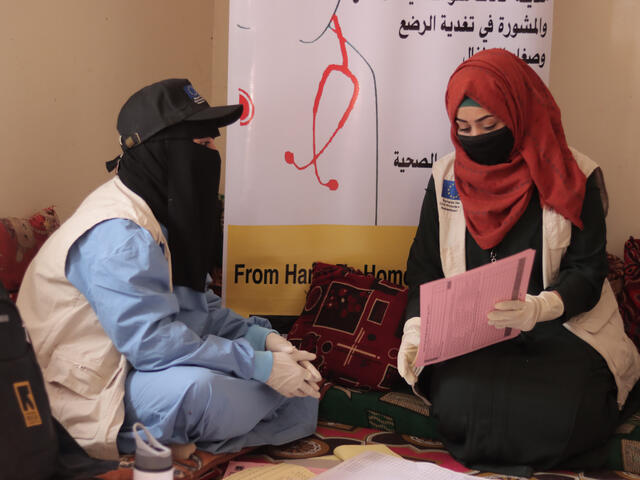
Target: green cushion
point(397, 411)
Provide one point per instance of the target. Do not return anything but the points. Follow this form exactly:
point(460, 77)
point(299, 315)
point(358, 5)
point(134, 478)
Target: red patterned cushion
point(353, 323)
point(20, 239)
point(615, 275)
point(630, 305)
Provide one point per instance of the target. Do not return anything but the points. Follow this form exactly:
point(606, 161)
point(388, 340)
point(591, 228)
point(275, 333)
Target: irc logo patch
point(27, 404)
point(193, 94)
point(449, 190)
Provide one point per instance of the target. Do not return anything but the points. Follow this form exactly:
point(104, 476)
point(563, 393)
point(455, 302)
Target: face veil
point(179, 180)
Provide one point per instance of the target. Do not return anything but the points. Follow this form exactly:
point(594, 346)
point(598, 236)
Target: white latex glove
point(291, 379)
point(409, 351)
point(525, 315)
point(315, 374)
point(277, 343)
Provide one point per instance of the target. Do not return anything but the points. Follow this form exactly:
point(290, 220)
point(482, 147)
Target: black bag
point(28, 440)
point(33, 444)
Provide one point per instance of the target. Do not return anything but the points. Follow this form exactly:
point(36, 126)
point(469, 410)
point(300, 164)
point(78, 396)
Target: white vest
point(601, 327)
point(84, 373)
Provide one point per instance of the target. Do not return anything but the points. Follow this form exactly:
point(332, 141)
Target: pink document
point(453, 311)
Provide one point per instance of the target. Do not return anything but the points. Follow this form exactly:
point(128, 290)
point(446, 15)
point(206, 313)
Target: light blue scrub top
point(124, 275)
point(199, 370)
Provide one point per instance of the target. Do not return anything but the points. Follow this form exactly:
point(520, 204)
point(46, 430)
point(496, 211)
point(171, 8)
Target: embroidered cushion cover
point(353, 323)
point(630, 305)
point(20, 240)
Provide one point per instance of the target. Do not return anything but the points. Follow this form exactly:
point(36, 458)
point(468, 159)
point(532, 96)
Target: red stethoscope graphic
point(332, 183)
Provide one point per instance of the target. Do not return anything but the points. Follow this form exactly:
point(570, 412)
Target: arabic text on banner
point(344, 117)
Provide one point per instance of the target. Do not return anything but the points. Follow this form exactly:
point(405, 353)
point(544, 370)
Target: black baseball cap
point(166, 103)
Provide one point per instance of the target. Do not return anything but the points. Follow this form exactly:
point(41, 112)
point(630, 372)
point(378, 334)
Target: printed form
point(377, 466)
point(453, 311)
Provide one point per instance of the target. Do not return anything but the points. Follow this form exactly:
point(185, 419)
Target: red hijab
point(494, 197)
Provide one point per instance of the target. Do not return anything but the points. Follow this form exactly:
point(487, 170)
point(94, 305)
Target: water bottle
point(153, 460)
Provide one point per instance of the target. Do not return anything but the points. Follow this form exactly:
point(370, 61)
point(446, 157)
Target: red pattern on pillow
point(615, 275)
point(353, 323)
point(20, 240)
point(630, 305)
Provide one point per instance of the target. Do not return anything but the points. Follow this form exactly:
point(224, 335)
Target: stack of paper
point(345, 452)
point(453, 310)
point(280, 471)
point(300, 469)
point(376, 466)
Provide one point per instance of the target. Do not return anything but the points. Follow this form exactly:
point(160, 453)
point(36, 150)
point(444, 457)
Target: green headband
point(469, 102)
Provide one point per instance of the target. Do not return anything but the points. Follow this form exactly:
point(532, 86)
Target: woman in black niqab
point(179, 180)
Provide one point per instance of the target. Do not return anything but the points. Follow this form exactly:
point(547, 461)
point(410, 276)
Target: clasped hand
point(292, 374)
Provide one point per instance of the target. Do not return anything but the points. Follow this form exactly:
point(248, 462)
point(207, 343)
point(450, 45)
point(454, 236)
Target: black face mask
point(489, 149)
point(179, 179)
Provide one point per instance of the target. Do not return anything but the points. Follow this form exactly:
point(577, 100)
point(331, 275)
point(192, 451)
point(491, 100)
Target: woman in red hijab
point(551, 396)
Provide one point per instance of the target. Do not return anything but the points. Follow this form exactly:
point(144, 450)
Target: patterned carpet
point(330, 435)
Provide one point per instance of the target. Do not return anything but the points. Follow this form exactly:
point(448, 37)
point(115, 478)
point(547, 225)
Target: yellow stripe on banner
point(269, 267)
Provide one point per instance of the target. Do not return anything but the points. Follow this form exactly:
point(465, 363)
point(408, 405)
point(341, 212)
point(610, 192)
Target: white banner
point(344, 103)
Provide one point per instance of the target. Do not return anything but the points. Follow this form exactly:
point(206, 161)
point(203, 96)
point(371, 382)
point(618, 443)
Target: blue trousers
point(219, 413)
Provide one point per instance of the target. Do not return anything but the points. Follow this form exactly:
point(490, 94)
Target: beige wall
point(69, 65)
point(67, 68)
point(595, 78)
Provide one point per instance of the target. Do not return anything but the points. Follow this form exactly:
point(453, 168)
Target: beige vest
point(601, 327)
point(84, 373)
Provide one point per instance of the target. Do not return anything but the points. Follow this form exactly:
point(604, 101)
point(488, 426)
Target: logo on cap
point(193, 94)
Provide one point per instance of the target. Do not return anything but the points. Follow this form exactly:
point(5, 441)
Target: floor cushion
point(20, 240)
point(352, 322)
point(630, 298)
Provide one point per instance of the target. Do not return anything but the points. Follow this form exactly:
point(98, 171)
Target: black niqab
point(179, 180)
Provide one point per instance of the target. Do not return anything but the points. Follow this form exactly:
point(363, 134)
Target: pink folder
point(453, 311)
